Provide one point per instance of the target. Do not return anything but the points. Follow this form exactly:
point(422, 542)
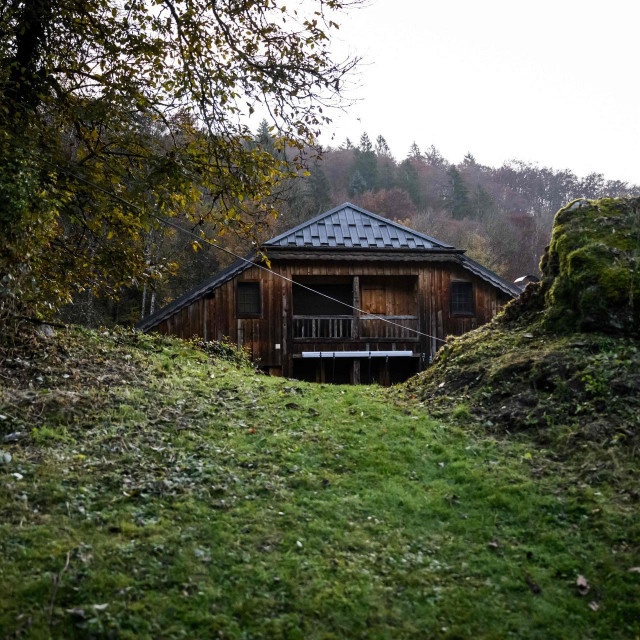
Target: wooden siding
point(402, 289)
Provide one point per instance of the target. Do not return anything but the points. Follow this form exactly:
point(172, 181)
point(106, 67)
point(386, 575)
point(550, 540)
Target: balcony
point(355, 328)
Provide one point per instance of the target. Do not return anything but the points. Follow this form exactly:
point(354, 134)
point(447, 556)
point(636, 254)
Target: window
point(308, 303)
point(462, 299)
point(248, 300)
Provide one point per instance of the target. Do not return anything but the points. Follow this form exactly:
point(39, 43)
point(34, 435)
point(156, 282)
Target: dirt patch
point(581, 387)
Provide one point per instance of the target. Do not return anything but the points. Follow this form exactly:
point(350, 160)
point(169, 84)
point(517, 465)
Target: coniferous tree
point(382, 148)
point(264, 138)
point(469, 160)
point(414, 152)
point(366, 163)
point(319, 190)
point(409, 181)
point(386, 165)
point(365, 143)
point(482, 205)
point(357, 184)
point(458, 202)
point(347, 144)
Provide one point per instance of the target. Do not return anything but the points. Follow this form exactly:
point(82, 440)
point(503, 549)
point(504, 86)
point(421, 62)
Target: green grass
point(190, 497)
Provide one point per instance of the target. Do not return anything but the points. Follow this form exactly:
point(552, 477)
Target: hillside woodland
point(501, 215)
point(152, 487)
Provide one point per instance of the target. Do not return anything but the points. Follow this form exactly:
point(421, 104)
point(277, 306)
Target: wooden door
point(374, 299)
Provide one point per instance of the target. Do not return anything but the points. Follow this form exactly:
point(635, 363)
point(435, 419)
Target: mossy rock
point(591, 269)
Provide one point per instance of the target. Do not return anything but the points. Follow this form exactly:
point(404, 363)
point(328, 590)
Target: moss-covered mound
point(591, 269)
point(563, 389)
point(566, 353)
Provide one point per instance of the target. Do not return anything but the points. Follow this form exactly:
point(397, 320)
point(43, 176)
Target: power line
point(298, 284)
point(201, 238)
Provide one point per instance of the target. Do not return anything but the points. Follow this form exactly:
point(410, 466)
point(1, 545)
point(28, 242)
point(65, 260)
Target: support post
point(355, 328)
point(355, 371)
point(205, 319)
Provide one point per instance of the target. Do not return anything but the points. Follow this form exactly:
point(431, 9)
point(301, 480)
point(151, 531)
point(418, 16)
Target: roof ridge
point(361, 210)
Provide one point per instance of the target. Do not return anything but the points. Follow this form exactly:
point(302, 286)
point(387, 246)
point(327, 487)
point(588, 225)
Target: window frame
point(472, 311)
point(243, 315)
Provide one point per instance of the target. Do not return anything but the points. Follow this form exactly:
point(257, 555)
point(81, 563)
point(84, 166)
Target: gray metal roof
point(234, 269)
point(346, 226)
point(351, 227)
point(502, 284)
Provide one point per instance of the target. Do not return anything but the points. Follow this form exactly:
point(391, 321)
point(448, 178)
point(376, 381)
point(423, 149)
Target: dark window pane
point(248, 302)
point(307, 302)
point(462, 298)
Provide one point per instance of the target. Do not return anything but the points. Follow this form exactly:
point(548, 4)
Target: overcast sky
point(549, 81)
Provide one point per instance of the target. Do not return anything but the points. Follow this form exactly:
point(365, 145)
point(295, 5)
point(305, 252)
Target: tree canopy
point(116, 113)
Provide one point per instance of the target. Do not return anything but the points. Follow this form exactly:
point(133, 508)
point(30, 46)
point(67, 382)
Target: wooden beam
point(355, 371)
point(355, 325)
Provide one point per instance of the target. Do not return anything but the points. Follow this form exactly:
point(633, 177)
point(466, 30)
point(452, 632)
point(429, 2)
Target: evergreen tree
point(347, 144)
point(357, 184)
point(382, 148)
point(386, 172)
point(482, 204)
point(264, 138)
point(365, 143)
point(409, 181)
point(318, 190)
point(458, 202)
point(414, 152)
point(434, 158)
point(469, 160)
point(366, 164)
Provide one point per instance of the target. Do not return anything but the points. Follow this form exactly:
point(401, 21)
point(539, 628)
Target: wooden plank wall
point(426, 293)
point(389, 295)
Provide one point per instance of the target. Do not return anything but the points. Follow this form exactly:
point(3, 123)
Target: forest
point(501, 215)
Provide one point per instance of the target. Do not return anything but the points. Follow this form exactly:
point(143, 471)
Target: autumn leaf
point(582, 585)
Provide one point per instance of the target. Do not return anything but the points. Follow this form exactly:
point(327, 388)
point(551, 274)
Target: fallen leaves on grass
point(582, 584)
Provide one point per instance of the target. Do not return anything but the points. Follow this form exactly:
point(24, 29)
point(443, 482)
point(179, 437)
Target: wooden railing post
point(355, 327)
point(350, 327)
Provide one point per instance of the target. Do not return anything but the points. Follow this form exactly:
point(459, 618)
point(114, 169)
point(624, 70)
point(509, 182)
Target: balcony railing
point(398, 327)
point(329, 327)
point(366, 327)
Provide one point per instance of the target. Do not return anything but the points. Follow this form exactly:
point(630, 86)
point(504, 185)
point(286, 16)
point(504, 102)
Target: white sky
point(552, 82)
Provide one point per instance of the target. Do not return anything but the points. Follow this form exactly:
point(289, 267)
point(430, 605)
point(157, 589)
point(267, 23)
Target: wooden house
point(350, 297)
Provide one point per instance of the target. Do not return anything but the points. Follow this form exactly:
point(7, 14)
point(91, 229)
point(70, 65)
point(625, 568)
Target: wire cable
point(252, 262)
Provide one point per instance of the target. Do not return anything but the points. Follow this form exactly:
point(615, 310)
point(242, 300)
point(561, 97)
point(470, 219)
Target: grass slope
point(158, 491)
point(572, 392)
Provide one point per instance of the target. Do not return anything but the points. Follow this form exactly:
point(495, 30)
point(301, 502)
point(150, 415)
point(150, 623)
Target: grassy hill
point(155, 489)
